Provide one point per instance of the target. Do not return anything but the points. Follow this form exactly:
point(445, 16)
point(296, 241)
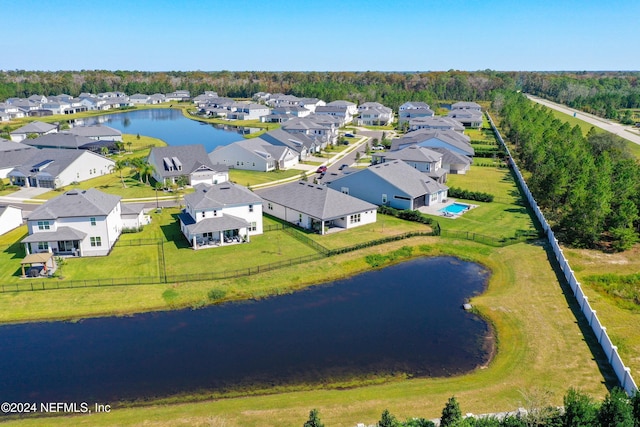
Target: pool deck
point(435, 209)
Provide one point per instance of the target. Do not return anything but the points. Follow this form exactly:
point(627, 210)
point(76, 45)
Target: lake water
point(402, 319)
point(171, 126)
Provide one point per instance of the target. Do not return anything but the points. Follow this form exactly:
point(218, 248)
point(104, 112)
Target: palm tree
point(137, 164)
point(147, 171)
point(119, 166)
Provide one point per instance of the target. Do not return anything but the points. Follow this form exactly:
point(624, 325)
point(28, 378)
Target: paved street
point(629, 133)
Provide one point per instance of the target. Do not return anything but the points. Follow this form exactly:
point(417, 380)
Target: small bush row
point(459, 193)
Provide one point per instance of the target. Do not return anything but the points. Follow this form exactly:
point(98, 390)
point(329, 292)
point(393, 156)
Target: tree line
point(579, 410)
point(587, 186)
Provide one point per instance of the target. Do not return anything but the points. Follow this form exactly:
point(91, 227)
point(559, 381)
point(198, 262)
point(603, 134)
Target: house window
point(384, 199)
point(345, 190)
point(43, 246)
point(215, 213)
point(96, 241)
point(354, 218)
point(44, 225)
point(93, 221)
point(269, 206)
point(250, 208)
point(252, 226)
point(78, 175)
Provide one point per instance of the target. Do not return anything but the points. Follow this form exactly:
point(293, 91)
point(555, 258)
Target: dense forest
point(603, 93)
point(588, 187)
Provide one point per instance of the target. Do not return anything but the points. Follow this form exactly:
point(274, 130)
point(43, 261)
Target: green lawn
point(384, 226)
point(249, 178)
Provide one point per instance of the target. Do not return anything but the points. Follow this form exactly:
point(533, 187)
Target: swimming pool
point(455, 208)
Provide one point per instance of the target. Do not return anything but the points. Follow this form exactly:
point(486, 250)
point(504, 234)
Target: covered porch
point(214, 232)
point(65, 241)
point(42, 264)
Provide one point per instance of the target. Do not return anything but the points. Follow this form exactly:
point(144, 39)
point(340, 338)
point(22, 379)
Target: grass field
point(249, 178)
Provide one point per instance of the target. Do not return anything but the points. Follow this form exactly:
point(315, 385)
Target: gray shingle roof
point(293, 141)
point(449, 157)
point(414, 153)
point(220, 195)
point(450, 137)
point(210, 225)
point(95, 131)
point(58, 160)
point(62, 233)
point(35, 127)
point(191, 157)
point(59, 140)
point(315, 200)
point(402, 176)
point(76, 203)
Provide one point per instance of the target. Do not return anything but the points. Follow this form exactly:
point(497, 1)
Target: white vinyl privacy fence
point(622, 372)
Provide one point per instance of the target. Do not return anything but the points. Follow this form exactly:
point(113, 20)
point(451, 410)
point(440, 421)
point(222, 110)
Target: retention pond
point(403, 319)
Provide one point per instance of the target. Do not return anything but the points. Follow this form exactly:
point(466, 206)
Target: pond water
point(171, 126)
point(405, 318)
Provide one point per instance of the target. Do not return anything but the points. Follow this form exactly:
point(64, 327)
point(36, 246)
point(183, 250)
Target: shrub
point(460, 193)
point(216, 294)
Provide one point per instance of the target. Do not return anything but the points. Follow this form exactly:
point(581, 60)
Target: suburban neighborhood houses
point(410, 175)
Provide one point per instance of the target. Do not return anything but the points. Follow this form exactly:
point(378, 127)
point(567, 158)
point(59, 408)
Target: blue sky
point(327, 35)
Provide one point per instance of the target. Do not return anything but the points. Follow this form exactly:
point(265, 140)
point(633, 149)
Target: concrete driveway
point(29, 193)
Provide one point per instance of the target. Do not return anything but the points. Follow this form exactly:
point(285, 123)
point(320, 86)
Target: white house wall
point(83, 168)
point(237, 157)
point(11, 218)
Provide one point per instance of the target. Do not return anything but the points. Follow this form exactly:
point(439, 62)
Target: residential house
point(352, 108)
point(34, 128)
point(438, 123)
point(97, 133)
point(53, 168)
point(255, 154)
point(291, 110)
point(133, 216)
point(471, 118)
point(311, 103)
point(414, 105)
point(188, 161)
point(221, 214)
point(241, 111)
point(79, 223)
point(140, 99)
point(394, 184)
point(404, 116)
point(430, 138)
point(10, 111)
point(61, 140)
point(10, 218)
point(316, 207)
point(454, 163)
point(56, 107)
point(303, 145)
point(178, 95)
point(13, 154)
point(466, 106)
point(374, 114)
point(420, 158)
point(157, 98)
point(341, 112)
point(321, 128)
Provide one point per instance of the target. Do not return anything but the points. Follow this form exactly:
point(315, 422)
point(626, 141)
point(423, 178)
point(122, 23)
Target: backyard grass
point(249, 178)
